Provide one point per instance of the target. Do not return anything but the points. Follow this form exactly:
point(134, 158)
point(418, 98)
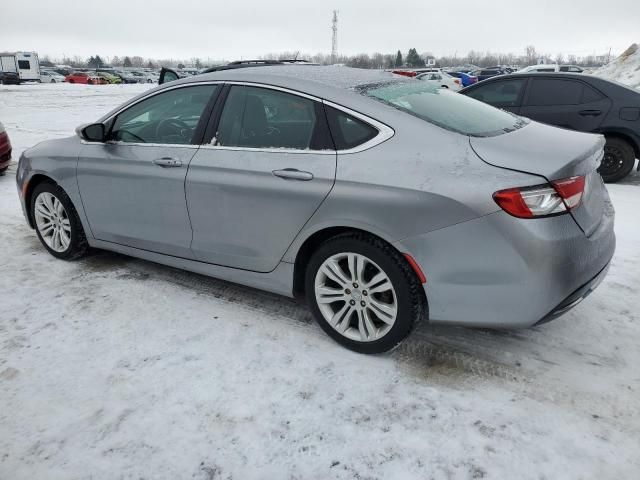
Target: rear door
point(270, 165)
point(565, 102)
point(506, 93)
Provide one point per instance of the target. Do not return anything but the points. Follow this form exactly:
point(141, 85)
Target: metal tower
point(334, 38)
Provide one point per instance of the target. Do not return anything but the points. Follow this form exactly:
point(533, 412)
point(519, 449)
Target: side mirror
point(94, 132)
point(167, 75)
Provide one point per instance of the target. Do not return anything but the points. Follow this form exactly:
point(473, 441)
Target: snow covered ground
point(113, 367)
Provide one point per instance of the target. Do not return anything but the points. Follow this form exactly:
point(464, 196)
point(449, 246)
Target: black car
point(9, 78)
point(486, 73)
point(576, 101)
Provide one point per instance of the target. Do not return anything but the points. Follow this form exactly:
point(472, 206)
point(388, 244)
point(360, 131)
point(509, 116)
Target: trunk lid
point(553, 153)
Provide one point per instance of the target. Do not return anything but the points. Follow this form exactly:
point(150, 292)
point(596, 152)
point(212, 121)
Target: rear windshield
point(445, 108)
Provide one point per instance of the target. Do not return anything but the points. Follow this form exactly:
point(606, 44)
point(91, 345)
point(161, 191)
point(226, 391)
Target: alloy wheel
point(356, 297)
point(52, 221)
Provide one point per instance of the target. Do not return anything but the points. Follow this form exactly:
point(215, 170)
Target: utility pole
point(334, 38)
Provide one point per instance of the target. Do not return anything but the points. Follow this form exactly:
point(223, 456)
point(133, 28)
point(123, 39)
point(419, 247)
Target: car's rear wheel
point(619, 159)
point(363, 293)
point(57, 223)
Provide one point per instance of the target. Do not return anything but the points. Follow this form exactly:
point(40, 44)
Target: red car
point(86, 78)
point(5, 150)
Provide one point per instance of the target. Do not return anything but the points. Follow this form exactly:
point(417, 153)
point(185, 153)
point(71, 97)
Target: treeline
point(409, 59)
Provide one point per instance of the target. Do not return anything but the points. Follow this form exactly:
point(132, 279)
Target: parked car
point(85, 78)
point(5, 150)
point(126, 77)
point(49, 76)
point(551, 68)
point(380, 199)
point(485, 73)
point(9, 78)
point(108, 77)
point(571, 100)
point(466, 79)
point(440, 79)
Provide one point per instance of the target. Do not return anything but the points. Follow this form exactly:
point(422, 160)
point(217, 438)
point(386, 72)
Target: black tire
point(619, 159)
point(78, 246)
point(411, 301)
point(3, 170)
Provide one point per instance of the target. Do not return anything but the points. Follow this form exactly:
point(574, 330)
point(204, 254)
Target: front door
point(132, 186)
point(269, 169)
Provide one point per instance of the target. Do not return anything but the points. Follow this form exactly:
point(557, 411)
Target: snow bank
point(624, 69)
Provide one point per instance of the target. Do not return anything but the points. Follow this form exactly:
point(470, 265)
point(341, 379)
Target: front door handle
point(293, 174)
point(167, 162)
point(590, 113)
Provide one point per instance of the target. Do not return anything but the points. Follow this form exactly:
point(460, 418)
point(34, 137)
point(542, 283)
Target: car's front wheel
point(57, 223)
point(363, 293)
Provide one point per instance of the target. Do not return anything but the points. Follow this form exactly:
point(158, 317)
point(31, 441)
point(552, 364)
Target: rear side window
point(500, 94)
point(445, 108)
point(264, 118)
point(348, 131)
point(590, 95)
point(551, 91)
point(24, 65)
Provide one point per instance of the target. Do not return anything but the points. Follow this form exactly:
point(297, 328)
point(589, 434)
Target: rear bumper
point(576, 297)
point(498, 271)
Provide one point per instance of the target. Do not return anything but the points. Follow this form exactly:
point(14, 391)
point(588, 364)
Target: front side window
point(264, 118)
point(551, 91)
point(445, 108)
point(167, 118)
point(499, 94)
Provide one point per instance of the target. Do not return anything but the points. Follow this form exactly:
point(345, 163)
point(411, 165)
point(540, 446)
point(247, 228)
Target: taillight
point(457, 81)
point(561, 196)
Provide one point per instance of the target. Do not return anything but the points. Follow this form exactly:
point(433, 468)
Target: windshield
point(445, 108)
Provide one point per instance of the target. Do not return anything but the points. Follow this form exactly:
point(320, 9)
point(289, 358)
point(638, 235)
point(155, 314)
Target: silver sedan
point(381, 200)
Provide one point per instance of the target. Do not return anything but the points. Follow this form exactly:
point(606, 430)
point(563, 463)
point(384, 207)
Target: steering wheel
point(171, 124)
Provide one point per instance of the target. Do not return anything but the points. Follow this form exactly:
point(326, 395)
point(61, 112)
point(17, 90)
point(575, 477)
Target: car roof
point(312, 79)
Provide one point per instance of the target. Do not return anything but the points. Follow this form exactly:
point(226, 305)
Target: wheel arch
point(622, 136)
point(313, 242)
point(31, 185)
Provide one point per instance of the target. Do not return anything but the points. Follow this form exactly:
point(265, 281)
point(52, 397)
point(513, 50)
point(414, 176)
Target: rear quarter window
point(347, 131)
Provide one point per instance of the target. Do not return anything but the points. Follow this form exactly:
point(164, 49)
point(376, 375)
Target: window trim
point(384, 132)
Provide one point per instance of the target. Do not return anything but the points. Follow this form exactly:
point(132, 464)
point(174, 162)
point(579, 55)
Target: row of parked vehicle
point(98, 76)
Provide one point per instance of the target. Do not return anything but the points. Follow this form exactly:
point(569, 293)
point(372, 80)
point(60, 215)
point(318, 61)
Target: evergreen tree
point(413, 59)
point(126, 62)
point(399, 59)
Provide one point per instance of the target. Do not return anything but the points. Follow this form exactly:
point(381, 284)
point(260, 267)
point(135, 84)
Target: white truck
point(24, 64)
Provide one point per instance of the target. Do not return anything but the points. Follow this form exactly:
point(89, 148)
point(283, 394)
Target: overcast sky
point(242, 29)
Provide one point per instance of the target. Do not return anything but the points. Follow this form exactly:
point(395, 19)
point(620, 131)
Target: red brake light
point(571, 190)
point(457, 80)
point(560, 197)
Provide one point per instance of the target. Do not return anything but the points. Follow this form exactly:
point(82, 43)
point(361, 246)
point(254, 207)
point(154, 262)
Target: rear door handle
point(590, 113)
point(293, 174)
point(167, 162)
